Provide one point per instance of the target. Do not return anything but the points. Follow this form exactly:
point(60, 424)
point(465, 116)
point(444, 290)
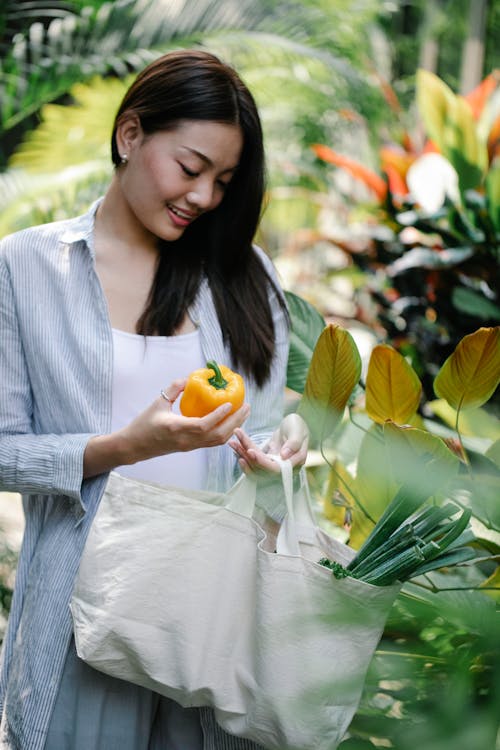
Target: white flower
point(430, 179)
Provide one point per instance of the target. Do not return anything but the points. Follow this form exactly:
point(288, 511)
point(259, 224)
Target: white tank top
point(142, 366)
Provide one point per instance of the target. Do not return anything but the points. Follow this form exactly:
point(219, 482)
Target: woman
point(97, 315)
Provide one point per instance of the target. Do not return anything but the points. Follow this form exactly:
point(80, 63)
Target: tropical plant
point(372, 448)
point(434, 275)
point(64, 65)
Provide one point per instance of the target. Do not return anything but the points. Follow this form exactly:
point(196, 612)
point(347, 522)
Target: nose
point(201, 194)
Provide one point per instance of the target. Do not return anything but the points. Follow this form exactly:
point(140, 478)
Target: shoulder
point(267, 263)
point(276, 291)
point(262, 255)
point(44, 238)
point(33, 238)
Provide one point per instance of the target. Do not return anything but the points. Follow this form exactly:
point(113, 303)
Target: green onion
point(398, 511)
point(404, 546)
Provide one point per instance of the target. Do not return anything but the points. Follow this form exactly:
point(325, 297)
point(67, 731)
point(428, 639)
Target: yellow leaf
point(393, 389)
point(433, 101)
point(449, 122)
point(492, 585)
point(334, 371)
point(471, 374)
point(462, 134)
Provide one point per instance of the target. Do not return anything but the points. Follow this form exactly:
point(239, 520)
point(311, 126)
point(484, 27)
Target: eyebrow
point(208, 161)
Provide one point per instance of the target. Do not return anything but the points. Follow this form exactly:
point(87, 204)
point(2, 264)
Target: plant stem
point(462, 447)
point(356, 499)
point(217, 381)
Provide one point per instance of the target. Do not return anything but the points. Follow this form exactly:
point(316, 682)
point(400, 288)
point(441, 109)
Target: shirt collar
point(81, 229)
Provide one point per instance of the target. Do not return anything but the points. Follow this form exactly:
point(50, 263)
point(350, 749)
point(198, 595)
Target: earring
point(124, 159)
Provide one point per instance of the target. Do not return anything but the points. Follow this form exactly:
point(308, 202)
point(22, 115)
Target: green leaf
point(493, 453)
point(484, 492)
point(420, 460)
point(73, 134)
point(471, 373)
point(471, 302)
point(493, 193)
point(375, 484)
point(333, 373)
point(393, 389)
point(449, 122)
point(478, 423)
point(493, 585)
point(306, 327)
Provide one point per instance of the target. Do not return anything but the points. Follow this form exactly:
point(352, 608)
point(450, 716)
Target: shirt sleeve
point(29, 462)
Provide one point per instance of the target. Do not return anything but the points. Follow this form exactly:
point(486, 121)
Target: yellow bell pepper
point(210, 387)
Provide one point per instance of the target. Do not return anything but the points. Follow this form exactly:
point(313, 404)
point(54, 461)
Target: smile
point(185, 215)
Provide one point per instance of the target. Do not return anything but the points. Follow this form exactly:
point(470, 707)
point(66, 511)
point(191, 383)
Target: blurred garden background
point(382, 128)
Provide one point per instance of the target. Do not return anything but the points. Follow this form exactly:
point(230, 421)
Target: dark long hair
point(195, 85)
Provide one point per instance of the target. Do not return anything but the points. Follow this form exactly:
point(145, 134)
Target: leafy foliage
point(470, 375)
point(306, 326)
point(443, 629)
point(71, 42)
point(433, 273)
point(333, 372)
point(401, 400)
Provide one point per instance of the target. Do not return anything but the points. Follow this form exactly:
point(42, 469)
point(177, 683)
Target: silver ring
point(164, 395)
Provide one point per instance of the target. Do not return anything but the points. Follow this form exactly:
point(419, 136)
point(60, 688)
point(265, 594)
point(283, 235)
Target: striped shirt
point(55, 393)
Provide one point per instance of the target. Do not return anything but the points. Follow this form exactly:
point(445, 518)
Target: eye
point(188, 172)
point(223, 185)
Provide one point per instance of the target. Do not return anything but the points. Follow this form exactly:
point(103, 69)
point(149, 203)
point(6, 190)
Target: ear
point(128, 132)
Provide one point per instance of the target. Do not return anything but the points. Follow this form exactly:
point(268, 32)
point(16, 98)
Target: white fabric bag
point(181, 592)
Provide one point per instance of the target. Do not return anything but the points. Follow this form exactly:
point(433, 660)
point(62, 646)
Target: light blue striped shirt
point(56, 363)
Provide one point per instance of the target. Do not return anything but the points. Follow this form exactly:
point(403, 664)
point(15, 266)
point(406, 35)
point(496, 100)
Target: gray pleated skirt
point(96, 712)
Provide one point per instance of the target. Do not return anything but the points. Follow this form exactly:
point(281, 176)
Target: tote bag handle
point(299, 515)
point(242, 496)
point(299, 520)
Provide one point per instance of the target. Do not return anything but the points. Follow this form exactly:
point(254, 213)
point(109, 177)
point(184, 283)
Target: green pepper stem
point(216, 380)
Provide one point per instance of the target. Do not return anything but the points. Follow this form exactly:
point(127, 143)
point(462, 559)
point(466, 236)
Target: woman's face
point(174, 176)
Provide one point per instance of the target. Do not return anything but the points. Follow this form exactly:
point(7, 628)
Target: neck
point(116, 225)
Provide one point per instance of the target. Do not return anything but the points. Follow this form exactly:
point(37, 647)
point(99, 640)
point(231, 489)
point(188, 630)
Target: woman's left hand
point(290, 441)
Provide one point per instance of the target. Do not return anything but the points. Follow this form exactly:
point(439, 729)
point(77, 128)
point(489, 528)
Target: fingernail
point(286, 453)
point(226, 408)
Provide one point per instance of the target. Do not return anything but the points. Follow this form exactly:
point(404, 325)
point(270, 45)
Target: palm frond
point(28, 200)
point(46, 47)
point(43, 58)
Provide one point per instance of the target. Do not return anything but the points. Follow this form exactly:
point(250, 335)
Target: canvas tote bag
point(183, 593)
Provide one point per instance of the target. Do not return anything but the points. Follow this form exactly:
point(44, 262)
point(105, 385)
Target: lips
point(183, 217)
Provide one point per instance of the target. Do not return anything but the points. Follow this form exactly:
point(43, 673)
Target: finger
point(172, 392)
point(222, 414)
point(299, 458)
point(244, 466)
point(293, 427)
point(236, 448)
point(274, 444)
point(292, 447)
point(260, 462)
point(245, 441)
point(295, 436)
point(245, 447)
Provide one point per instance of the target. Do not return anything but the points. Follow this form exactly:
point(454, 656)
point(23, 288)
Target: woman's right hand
point(158, 431)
